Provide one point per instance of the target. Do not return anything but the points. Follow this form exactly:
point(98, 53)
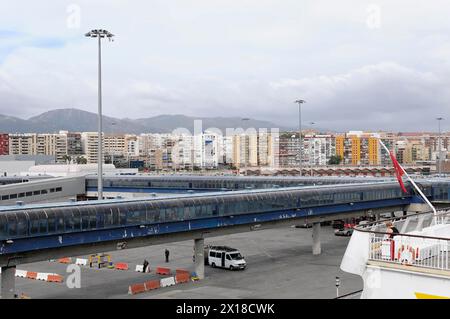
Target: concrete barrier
point(136, 289)
point(152, 284)
point(163, 271)
point(42, 276)
point(182, 277)
point(31, 275)
point(121, 266)
point(181, 271)
point(65, 260)
point(139, 268)
point(54, 278)
point(81, 262)
point(21, 273)
point(166, 282)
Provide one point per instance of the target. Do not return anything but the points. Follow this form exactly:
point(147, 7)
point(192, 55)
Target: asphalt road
point(280, 265)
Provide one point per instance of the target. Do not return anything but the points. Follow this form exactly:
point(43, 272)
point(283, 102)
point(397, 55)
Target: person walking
point(167, 255)
point(145, 265)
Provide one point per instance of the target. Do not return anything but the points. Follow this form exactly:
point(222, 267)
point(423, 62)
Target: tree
point(81, 160)
point(335, 160)
point(67, 158)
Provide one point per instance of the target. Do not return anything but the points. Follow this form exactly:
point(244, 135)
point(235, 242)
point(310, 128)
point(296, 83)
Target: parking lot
point(280, 265)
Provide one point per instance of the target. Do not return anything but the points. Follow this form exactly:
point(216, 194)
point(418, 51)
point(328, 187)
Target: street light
point(100, 34)
point(439, 164)
point(300, 102)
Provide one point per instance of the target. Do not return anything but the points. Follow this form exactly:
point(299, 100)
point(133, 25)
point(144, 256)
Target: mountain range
point(76, 120)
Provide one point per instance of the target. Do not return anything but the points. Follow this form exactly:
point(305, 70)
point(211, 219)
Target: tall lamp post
point(100, 34)
point(439, 119)
point(300, 102)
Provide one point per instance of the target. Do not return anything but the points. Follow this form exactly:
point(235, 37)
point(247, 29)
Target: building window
point(58, 189)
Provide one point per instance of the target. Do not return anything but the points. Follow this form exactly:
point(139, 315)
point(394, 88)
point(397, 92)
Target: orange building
point(340, 146)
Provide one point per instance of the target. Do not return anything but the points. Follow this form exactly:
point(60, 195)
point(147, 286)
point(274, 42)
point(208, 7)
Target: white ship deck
point(423, 243)
point(416, 261)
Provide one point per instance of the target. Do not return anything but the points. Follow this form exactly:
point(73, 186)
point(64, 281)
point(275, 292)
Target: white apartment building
point(210, 149)
point(226, 156)
point(132, 145)
point(89, 142)
point(182, 151)
point(318, 149)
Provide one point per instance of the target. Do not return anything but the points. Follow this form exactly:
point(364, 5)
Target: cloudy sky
point(373, 65)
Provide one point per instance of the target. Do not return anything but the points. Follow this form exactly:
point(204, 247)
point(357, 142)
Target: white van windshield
point(236, 256)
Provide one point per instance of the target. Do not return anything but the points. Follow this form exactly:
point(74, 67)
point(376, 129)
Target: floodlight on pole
point(100, 34)
point(300, 102)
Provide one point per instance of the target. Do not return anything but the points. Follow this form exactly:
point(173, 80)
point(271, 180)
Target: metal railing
point(416, 245)
point(414, 251)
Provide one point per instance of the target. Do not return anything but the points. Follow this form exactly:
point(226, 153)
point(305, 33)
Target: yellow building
point(340, 146)
point(374, 158)
point(356, 150)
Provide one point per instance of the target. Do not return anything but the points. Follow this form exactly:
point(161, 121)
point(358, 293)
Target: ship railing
point(412, 250)
point(423, 240)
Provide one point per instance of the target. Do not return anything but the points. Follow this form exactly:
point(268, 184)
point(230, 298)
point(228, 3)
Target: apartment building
point(114, 144)
point(52, 144)
point(289, 150)
point(4, 144)
point(318, 149)
point(74, 145)
point(22, 144)
point(89, 142)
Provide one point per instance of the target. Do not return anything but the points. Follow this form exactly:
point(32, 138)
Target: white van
point(225, 257)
